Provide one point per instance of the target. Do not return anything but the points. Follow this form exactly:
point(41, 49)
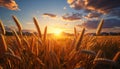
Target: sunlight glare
point(57, 32)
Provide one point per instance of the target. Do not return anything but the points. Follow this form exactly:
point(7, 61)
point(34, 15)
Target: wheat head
point(19, 26)
point(45, 33)
point(117, 56)
point(79, 40)
point(99, 28)
point(2, 27)
point(3, 42)
point(37, 27)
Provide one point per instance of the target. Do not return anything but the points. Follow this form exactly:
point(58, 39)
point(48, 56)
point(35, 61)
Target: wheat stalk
point(17, 38)
point(12, 56)
point(11, 51)
point(19, 26)
point(37, 49)
point(103, 61)
point(2, 27)
point(27, 43)
point(88, 52)
point(45, 33)
point(32, 44)
point(99, 53)
point(99, 28)
point(79, 40)
point(75, 32)
point(37, 27)
point(3, 42)
point(40, 62)
point(117, 56)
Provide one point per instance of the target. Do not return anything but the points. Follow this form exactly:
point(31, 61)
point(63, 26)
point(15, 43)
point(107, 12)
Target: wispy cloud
point(91, 15)
point(50, 15)
point(10, 4)
point(72, 17)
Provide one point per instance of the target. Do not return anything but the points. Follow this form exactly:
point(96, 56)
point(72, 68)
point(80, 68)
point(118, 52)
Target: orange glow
point(57, 32)
point(70, 1)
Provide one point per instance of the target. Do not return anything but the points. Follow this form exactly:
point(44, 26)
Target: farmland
point(40, 51)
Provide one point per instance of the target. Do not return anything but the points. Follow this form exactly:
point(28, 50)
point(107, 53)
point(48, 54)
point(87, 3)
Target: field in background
point(59, 53)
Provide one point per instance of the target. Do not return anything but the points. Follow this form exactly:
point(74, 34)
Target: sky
point(62, 14)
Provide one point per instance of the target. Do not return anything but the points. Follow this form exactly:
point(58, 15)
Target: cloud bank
point(103, 6)
point(109, 23)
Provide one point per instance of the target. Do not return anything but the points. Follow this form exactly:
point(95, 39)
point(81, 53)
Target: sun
point(57, 32)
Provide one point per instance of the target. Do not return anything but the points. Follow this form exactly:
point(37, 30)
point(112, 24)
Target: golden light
point(57, 32)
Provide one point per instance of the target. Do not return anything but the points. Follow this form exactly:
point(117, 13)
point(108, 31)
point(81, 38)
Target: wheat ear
point(9, 55)
point(2, 27)
point(103, 61)
point(99, 28)
point(45, 33)
point(37, 27)
point(79, 40)
point(99, 53)
point(3, 42)
point(19, 26)
point(117, 56)
point(75, 32)
point(27, 43)
point(17, 38)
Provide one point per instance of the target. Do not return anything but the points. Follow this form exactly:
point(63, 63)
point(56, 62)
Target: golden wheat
point(37, 27)
point(75, 32)
point(103, 61)
point(99, 27)
point(117, 56)
point(18, 39)
point(12, 56)
point(45, 33)
point(88, 52)
point(27, 43)
point(19, 26)
point(3, 42)
point(79, 39)
point(99, 53)
point(2, 28)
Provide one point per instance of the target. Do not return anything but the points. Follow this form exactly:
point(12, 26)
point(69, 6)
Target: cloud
point(109, 23)
point(115, 12)
point(103, 6)
point(72, 17)
point(49, 14)
point(93, 15)
point(10, 4)
point(64, 8)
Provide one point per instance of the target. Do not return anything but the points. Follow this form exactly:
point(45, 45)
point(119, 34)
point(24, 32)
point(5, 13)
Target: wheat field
point(39, 51)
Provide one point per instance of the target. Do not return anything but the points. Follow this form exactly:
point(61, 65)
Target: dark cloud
point(103, 6)
point(115, 12)
point(10, 4)
point(72, 17)
point(49, 14)
point(93, 15)
point(109, 23)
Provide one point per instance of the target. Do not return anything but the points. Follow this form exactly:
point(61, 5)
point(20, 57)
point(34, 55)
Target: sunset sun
point(57, 32)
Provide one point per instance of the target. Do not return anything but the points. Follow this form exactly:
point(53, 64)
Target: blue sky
point(68, 14)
